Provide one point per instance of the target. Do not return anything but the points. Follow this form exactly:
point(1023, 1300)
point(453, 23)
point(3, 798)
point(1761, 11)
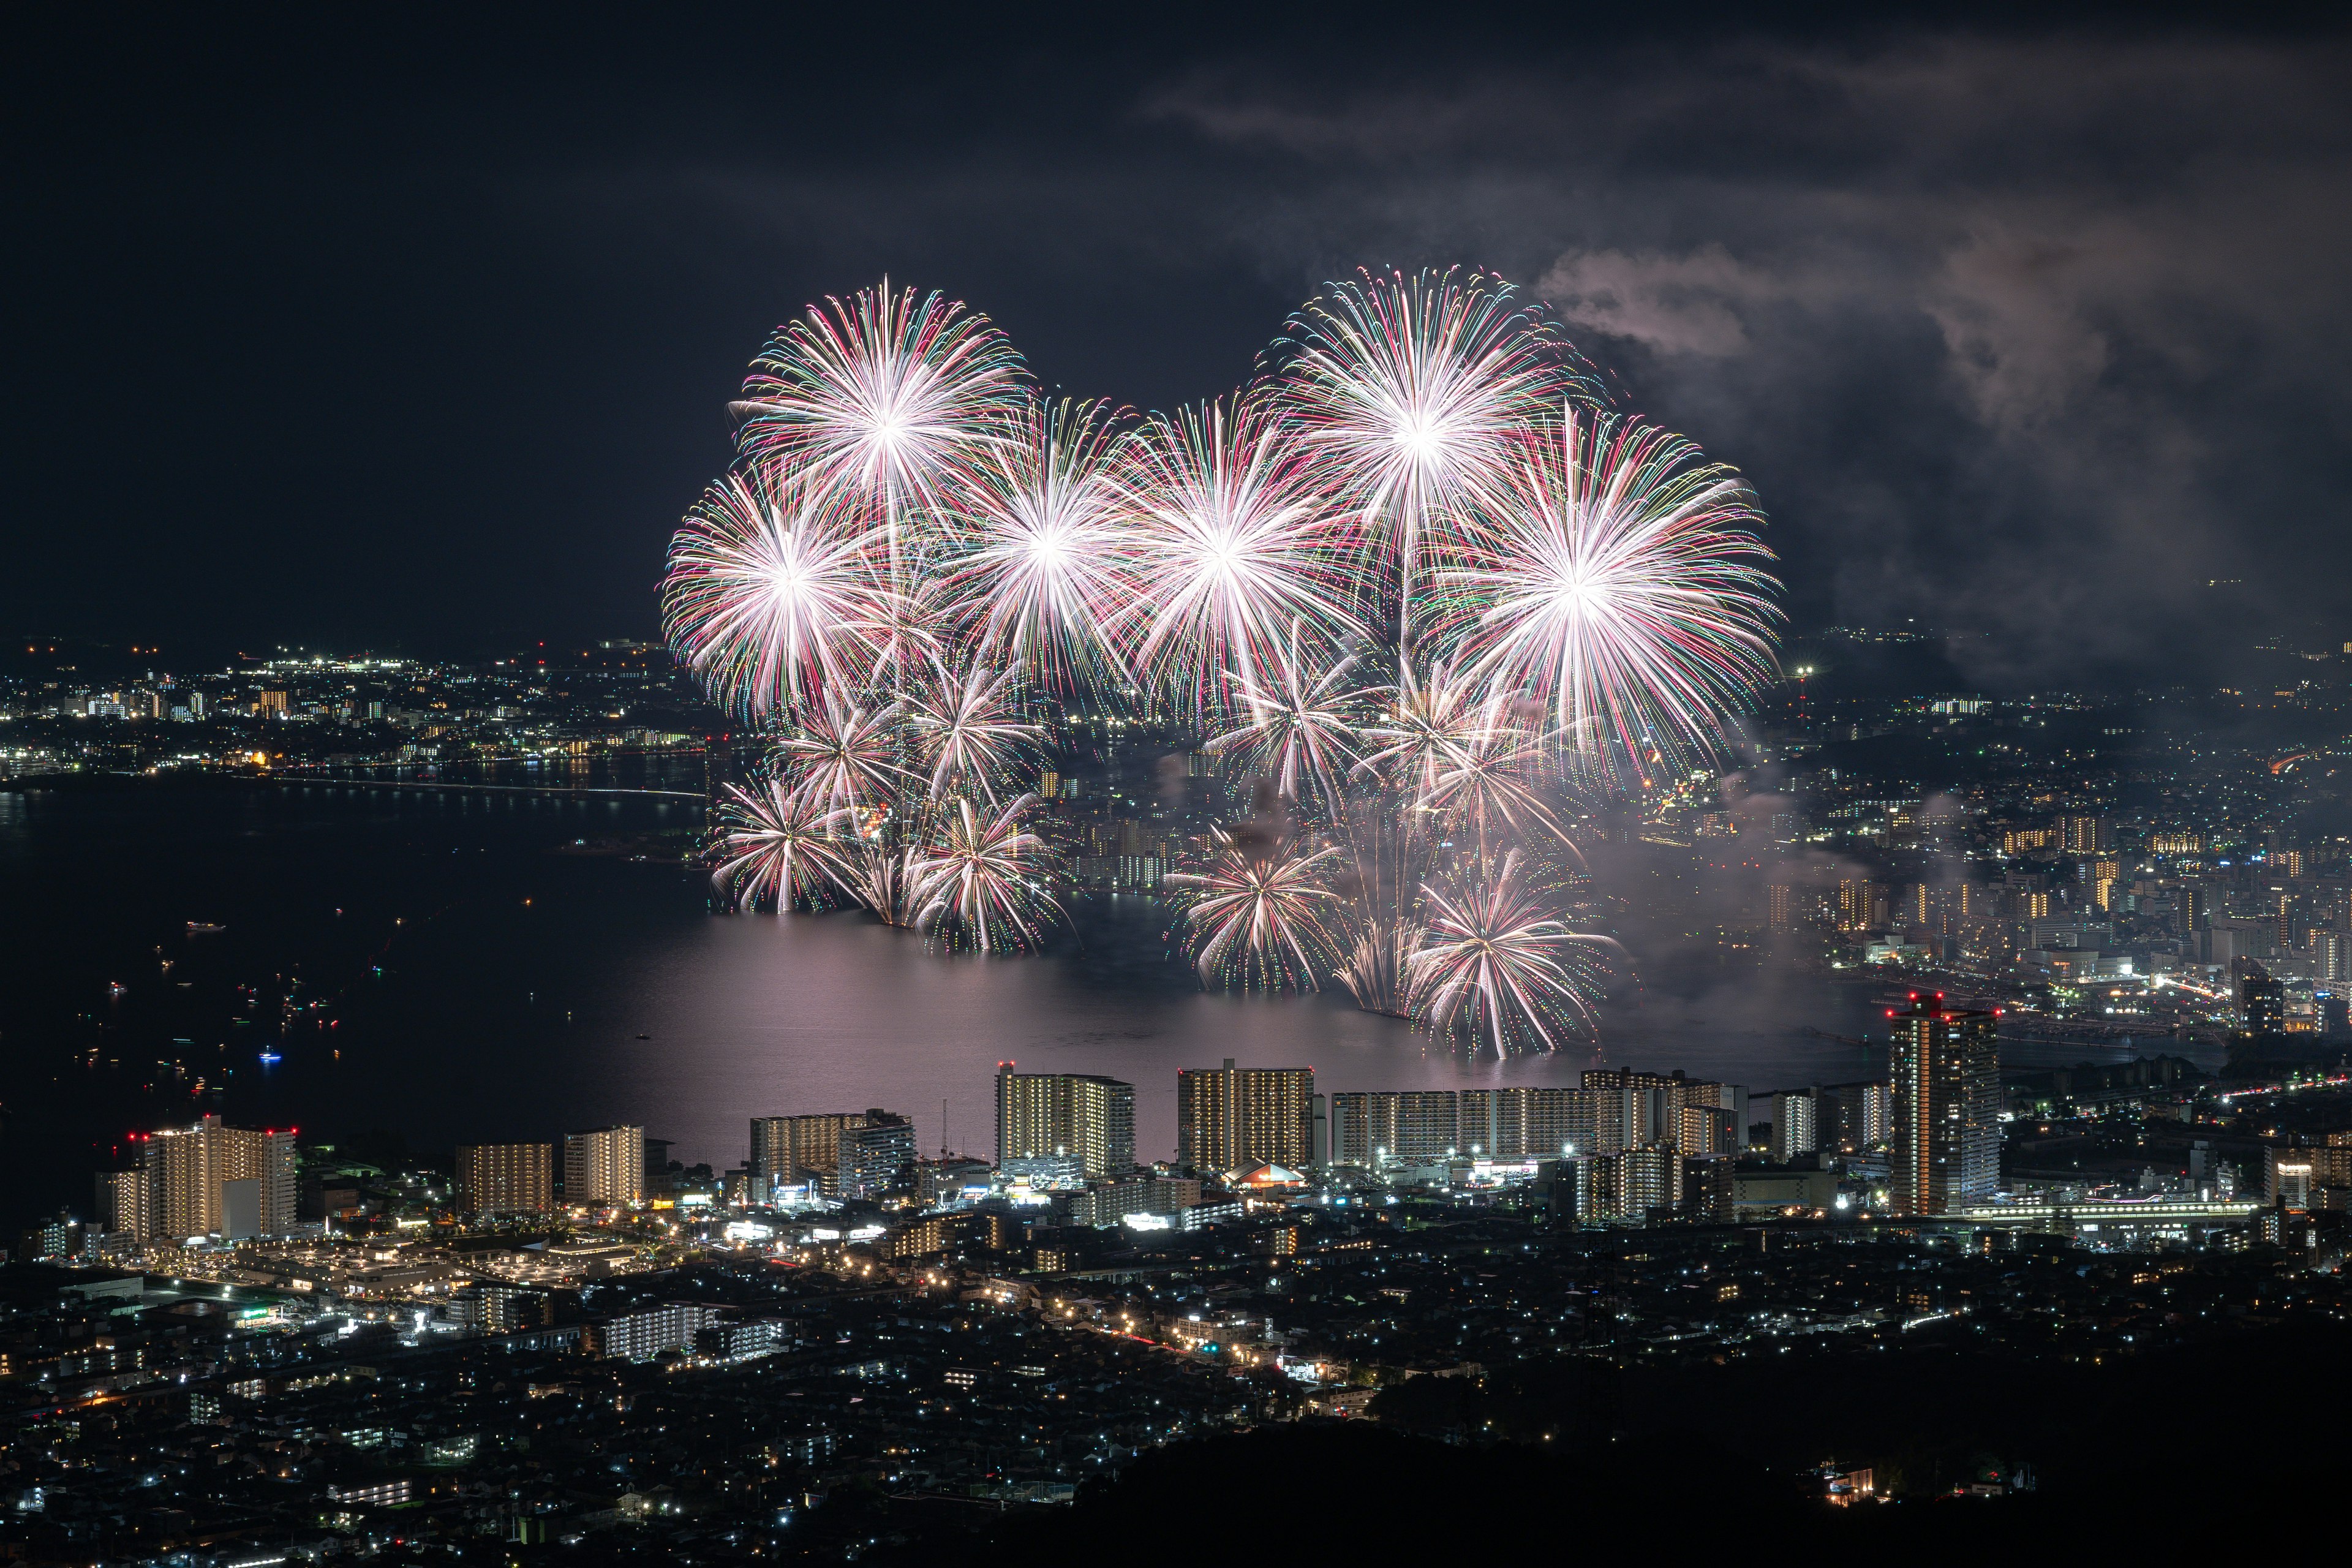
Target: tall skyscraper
point(196, 1175)
point(604, 1165)
point(1076, 1114)
point(1946, 1100)
point(1229, 1116)
point(2262, 1000)
point(507, 1178)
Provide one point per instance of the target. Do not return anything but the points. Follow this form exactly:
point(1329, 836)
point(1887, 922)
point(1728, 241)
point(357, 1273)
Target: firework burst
point(771, 595)
point(1622, 586)
point(840, 758)
point(967, 731)
point(1042, 564)
point(1233, 553)
point(1496, 966)
point(887, 396)
point(1302, 726)
point(1408, 391)
point(982, 881)
point(1258, 912)
point(775, 850)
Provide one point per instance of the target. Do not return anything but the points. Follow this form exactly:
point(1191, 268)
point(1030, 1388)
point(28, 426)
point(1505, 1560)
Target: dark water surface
point(485, 976)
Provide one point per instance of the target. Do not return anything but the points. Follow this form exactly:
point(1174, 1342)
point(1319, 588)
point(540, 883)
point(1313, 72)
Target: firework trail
point(982, 881)
point(775, 849)
point(1043, 563)
point(966, 728)
point(1496, 966)
point(1258, 912)
point(772, 597)
point(1233, 553)
point(1622, 586)
point(1302, 728)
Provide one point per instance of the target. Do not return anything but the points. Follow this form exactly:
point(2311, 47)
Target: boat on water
point(201, 928)
point(269, 1058)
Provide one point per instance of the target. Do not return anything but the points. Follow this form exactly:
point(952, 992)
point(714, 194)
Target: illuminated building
point(1795, 1127)
point(1393, 1126)
point(797, 1149)
point(1623, 1187)
point(507, 1178)
point(1109, 1203)
point(1855, 1117)
point(641, 1336)
point(1229, 1116)
point(126, 1204)
point(875, 1156)
point(210, 1179)
point(1522, 1122)
point(1079, 1114)
point(1780, 907)
point(1947, 1102)
point(1710, 1130)
point(2084, 835)
point(2261, 1001)
point(606, 1165)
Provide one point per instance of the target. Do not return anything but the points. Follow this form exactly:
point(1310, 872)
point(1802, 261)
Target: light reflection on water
point(497, 1019)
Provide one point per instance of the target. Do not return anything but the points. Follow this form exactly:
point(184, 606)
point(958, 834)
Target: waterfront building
point(1090, 1118)
point(604, 1165)
point(507, 1178)
point(1229, 1116)
point(237, 1183)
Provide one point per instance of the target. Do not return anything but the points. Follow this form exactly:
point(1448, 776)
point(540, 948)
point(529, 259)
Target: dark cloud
point(2028, 334)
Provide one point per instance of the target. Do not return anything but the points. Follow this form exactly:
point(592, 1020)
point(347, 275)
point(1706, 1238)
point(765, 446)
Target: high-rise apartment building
point(1527, 1123)
point(2084, 835)
point(126, 1204)
point(1384, 1127)
point(873, 1157)
point(1229, 1116)
point(606, 1165)
point(1623, 1187)
point(1796, 1128)
point(1089, 1117)
point(2262, 1000)
point(507, 1178)
point(1947, 1102)
point(237, 1182)
point(801, 1148)
point(1855, 1117)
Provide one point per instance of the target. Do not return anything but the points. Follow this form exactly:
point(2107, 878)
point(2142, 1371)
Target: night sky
point(420, 337)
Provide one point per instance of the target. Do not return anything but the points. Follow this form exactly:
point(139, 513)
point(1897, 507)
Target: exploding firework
point(1416, 579)
point(1043, 561)
point(772, 595)
point(983, 882)
point(1302, 726)
point(1621, 585)
point(967, 729)
point(775, 849)
point(1496, 966)
point(1258, 912)
point(1409, 392)
point(840, 758)
point(1234, 554)
point(889, 397)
